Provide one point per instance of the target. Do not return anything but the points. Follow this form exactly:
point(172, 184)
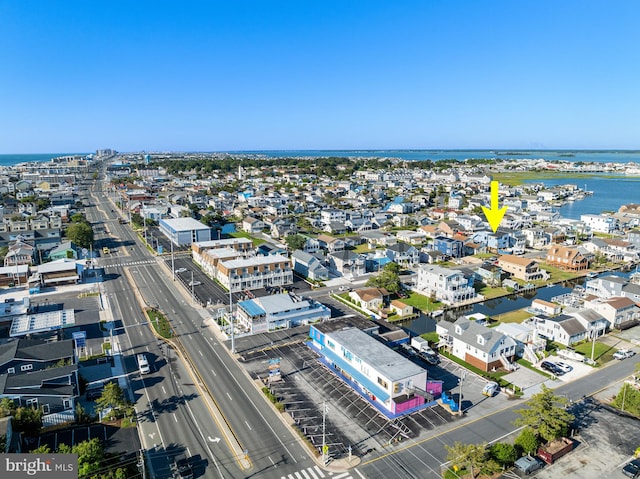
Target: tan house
point(546, 307)
point(369, 298)
point(522, 268)
point(566, 258)
point(400, 308)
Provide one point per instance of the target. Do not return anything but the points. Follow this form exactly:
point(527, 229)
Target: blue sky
point(243, 75)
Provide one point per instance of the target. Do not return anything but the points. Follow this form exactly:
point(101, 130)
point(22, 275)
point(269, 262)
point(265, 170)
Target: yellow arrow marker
point(495, 214)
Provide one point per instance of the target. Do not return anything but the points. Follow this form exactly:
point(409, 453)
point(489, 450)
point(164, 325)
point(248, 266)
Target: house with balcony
point(522, 268)
point(482, 347)
point(566, 258)
point(592, 321)
point(347, 263)
point(255, 272)
point(19, 253)
point(563, 329)
point(447, 285)
point(600, 223)
point(453, 248)
point(489, 274)
point(278, 311)
point(308, 266)
point(621, 312)
point(403, 254)
point(330, 244)
point(252, 225)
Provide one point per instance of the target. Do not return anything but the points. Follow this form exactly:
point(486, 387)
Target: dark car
point(551, 368)
point(632, 469)
point(93, 394)
point(182, 467)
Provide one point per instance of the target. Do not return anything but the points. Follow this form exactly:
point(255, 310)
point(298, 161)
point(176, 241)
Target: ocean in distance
point(609, 192)
point(9, 160)
point(595, 156)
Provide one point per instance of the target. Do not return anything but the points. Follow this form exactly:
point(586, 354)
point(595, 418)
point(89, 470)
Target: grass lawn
point(421, 302)
point(559, 275)
point(160, 323)
point(362, 248)
point(602, 353)
point(516, 316)
point(514, 178)
point(244, 234)
point(490, 292)
point(484, 255)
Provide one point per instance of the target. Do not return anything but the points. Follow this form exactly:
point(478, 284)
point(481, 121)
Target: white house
point(447, 285)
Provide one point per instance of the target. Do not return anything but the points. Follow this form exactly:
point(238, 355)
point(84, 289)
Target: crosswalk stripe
point(304, 473)
point(298, 475)
point(319, 471)
point(313, 474)
point(342, 475)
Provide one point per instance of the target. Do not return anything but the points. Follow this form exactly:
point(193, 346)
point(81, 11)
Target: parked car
point(529, 464)
point(549, 367)
point(181, 270)
point(93, 394)
point(194, 283)
point(491, 389)
point(564, 367)
point(632, 469)
point(623, 354)
point(182, 467)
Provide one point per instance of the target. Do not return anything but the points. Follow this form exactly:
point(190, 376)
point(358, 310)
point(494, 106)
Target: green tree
point(81, 234)
point(295, 242)
point(528, 441)
point(42, 203)
point(628, 399)
point(78, 218)
point(44, 449)
point(388, 278)
point(90, 454)
point(28, 420)
point(112, 397)
point(3, 252)
point(473, 456)
point(504, 453)
point(546, 415)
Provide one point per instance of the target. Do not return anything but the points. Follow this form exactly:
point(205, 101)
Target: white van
point(143, 364)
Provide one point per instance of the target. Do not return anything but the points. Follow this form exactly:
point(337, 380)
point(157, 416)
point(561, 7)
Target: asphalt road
point(271, 447)
point(173, 417)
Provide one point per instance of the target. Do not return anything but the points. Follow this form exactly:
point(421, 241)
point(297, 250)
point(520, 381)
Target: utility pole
point(325, 448)
point(593, 344)
point(233, 338)
point(193, 297)
point(173, 266)
point(461, 380)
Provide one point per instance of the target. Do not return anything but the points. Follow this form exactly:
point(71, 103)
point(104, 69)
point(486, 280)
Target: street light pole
point(233, 338)
point(461, 380)
point(173, 266)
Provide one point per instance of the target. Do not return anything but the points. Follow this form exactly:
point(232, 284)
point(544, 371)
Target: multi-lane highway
point(270, 447)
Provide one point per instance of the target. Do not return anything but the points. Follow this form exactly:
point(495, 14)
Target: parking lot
point(350, 419)
point(606, 441)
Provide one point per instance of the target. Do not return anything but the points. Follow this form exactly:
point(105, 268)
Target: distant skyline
point(335, 75)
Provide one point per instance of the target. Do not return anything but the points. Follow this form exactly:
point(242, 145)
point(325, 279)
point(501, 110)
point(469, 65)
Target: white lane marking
point(175, 418)
point(304, 473)
point(319, 471)
point(164, 390)
point(201, 353)
point(274, 464)
point(214, 373)
point(230, 398)
point(360, 474)
point(298, 475)
point(248, 425)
